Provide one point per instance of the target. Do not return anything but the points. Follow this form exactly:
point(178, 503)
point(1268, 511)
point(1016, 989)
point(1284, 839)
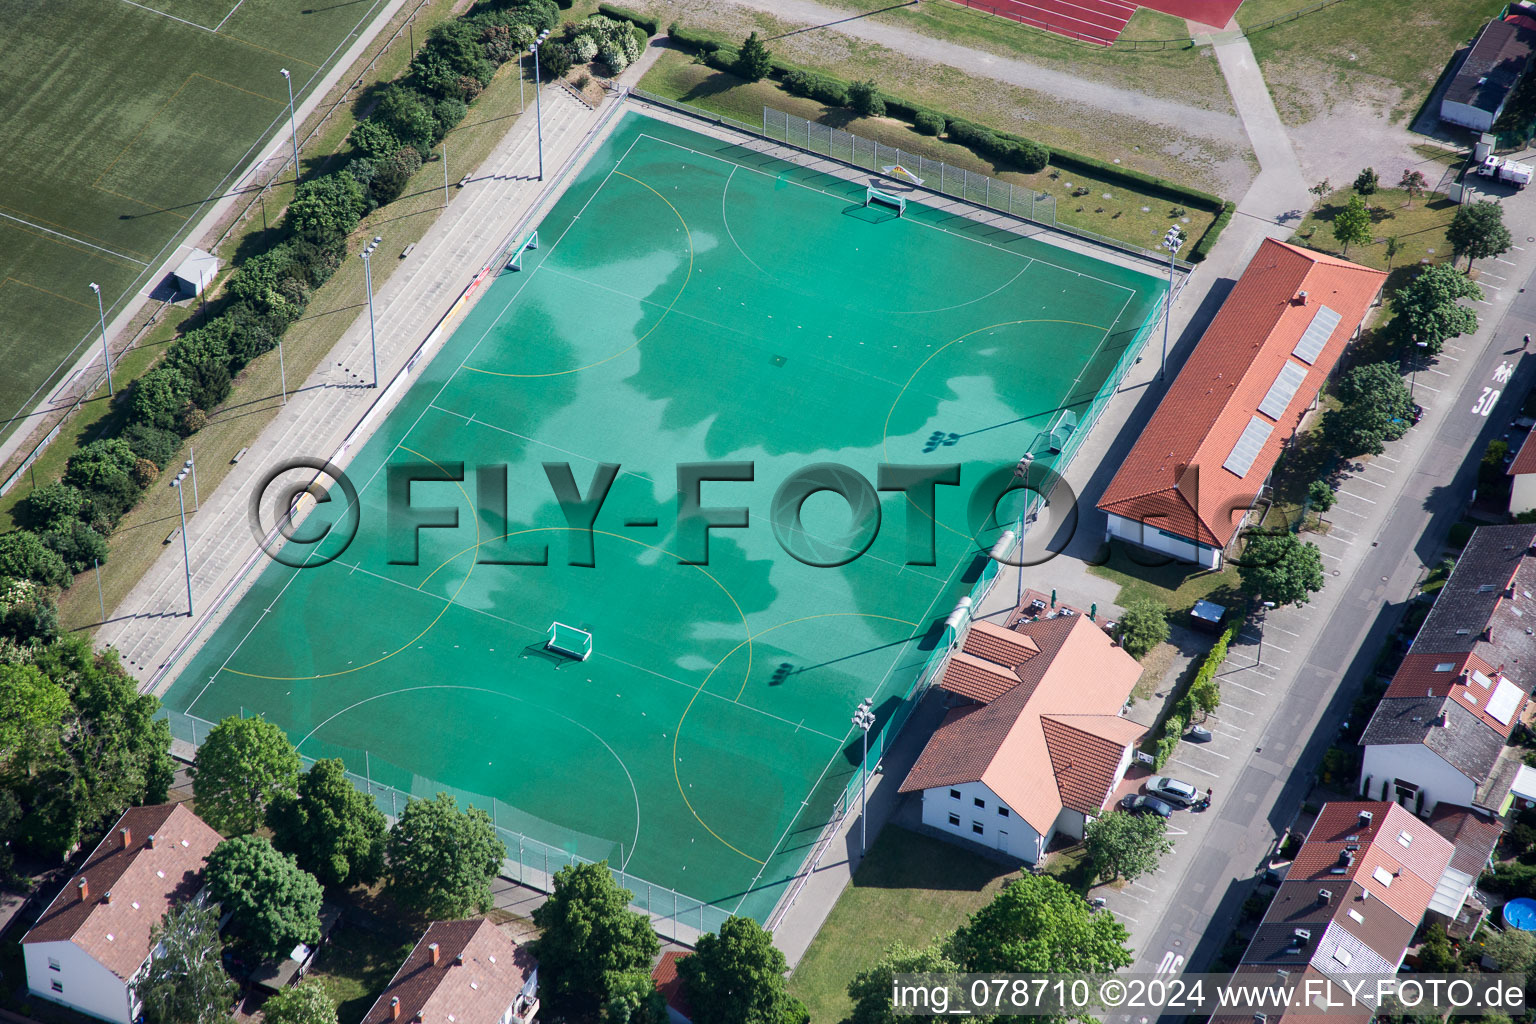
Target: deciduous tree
point(330, 826)
point(737, 977)
point(1426, 308)
point(1280, 568)
point(186, 983)
point(1478, 232)
point(441, 859)
point(870, 989)
point(589, 936)
point(1353, 223)
point(1124, 845)
point(243, 765)
point(1143, 626)
point(1366, 182)
point(273, 903)
point(1038, 924)
point(307, 1003)
point(1412, 182)
point(1376, 408)
point(328, 207)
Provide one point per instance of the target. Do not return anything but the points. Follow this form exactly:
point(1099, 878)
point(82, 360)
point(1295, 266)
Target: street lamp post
point(538, 109)
point(1263, 617)
point(864, 719)
point(186, 558)
point(293, 125)
point(1413, 371)
point(1173, 241)
point(373, 337)
point(191, 464)
point(106, 357)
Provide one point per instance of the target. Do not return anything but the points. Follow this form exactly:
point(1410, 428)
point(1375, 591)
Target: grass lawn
point(139, 540)
point(128, 123)
point(1383, 49)
point(1419, 230)
point(354, 966)
point(1177, 584)
point(1154, 666)
point(911, 888)
point(1155, 55)
point(1126, 215)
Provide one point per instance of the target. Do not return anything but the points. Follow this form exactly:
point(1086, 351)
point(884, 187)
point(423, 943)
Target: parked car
point(1180, 794)
point(1136, 803)
point(1198, 734)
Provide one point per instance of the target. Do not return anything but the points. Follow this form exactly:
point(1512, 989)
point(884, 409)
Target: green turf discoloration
point(131, 121)
point(690, 301)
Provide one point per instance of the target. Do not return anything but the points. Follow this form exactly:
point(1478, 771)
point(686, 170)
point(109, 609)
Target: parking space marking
point(1271, 625)
point(1194, 768)
point(1250, 689)
point(1367, 480)
point(1234, 707)
point(1505, 261)
point(1208, 750)
point(1260, 640)
point(1352, 494)
point(1426, 387)
point(1431, 369)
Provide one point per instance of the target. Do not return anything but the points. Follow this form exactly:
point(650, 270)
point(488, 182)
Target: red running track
point(1101, 21)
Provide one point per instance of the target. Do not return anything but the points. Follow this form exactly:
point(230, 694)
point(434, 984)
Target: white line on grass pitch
point(77, 241)
point(173, 17)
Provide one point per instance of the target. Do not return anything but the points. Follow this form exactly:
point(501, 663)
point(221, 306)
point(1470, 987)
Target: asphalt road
point(1330, 657)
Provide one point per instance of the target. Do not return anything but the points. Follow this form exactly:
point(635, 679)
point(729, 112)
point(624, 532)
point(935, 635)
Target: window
point(53, 964)
point(58, 986)
point(978, 828)
point(954, 819)
point(954, 794)
point(1002, 812)
point(980, 802)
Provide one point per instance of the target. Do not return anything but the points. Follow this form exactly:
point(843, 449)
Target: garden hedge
point(645, 21)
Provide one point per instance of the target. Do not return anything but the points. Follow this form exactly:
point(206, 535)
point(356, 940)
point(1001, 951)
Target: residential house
point(1440, 731)
point(1522, 473)
point(670, 983)
point(1038, 742)
point(464, 972)
point(92, 945)
point(1201, 461)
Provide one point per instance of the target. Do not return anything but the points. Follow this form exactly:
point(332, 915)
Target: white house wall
point(1522, 493)
point(1009, 833)
point(1466, 115)
point(88, 986)
point(1416, 763)
point(1147, 536)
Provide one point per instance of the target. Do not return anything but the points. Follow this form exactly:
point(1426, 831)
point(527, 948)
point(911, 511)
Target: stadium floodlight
point(293, 127)
point(864, 720)
point(373, 336)
point(186, 559)
point(1173, 241)
point(106, 357)
point(538, 109)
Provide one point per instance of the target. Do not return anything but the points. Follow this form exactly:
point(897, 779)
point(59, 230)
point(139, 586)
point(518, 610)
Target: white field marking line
point(1351, 494)
point(226, 17)
point(173, 17)
point(813, 188)
point(724, 191)
point(1196, 768)
point(495, 693)
point(72, 238)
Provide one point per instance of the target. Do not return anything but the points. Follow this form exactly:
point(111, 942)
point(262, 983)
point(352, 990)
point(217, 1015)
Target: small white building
point(1039, 745)
point(91, 945)
point(1476, 96)
point(196, 272)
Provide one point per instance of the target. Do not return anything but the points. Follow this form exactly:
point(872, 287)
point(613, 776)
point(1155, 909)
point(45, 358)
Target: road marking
point(1351, 494)
point(1250, 689)
point(1281, 629)
point(1366, 480)
point(1234, 707)
point(1506, 262)
point(1330, 554)
point(1431, 369)
point(1260, 641)
point(1194, 768)
point(1350, 511)
point(1426, 387)
point(1489, 273)
point(1207, 750)
point(1377, 465)
point(1123, 917)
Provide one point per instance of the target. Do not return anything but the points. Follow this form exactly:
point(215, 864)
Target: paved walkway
point(273, 156)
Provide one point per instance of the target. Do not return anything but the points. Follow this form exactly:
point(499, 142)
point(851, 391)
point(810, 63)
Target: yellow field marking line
point(45, 291)
point(647, 334)
point(885, 432)
point(155, 117)
point(75, 233)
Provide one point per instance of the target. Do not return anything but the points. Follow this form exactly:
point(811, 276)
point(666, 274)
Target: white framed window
point(57, 985)
point(53, 964)
point(954, 819)
point(978, 828)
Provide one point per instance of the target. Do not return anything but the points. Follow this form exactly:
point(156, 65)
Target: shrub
point(193, 420)
point(51, 506)
point(203, 359)
point(328, 207)
point(158, 398)
point(24, 556)
point(145, 473)
point(865, 98)
point(448, 113)
point(649, 24)
point(1491, 469)
point(394, 173)
point(613, 55)
point(1207, 241)
point(371, 139)
point(1320, 495)
point(813, 86)
point(555, 60)
point(79, 546)
point(583, 49)
point(250, 333)
point(755, 61)
point(929, 123)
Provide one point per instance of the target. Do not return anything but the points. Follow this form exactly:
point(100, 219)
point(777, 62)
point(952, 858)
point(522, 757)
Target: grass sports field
point(690, 301)
point(129, 116)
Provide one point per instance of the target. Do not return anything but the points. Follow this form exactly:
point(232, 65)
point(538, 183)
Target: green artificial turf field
point(690, 301)
point(127, 119)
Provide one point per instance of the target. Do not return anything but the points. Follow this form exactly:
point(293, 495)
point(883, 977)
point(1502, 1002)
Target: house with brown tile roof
point(461, 972)
point(1522, 473)
point(1441, 731)
point(92, 944)
point(1037, 744)
point(1354, 896)
point(670, 984)
point(1201, 461)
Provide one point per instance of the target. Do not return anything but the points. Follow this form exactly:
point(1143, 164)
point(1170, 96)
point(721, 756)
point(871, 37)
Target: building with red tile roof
point(1038, 744)
point(1356, 893)
point(1522, 473)
point(92, 944)
point(1202, 459)
point(670, 984)
point(1441, 731)
point(461, 972)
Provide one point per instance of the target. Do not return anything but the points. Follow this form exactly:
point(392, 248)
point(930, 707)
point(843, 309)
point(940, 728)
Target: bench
point(173, 535)
point(238, 456)
point(407, 250)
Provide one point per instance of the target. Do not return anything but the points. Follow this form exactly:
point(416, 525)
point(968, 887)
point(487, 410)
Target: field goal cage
point(530, 242)
point(1061, 430)
point(569, 641)
point(875, 195)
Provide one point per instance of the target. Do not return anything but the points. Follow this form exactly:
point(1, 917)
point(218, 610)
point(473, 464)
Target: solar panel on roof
point(1248, 447)
point(1506, 699)
point(1283, 389)
point(1316, 335)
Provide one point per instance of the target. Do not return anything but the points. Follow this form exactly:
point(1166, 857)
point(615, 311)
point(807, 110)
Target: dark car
point(1138, 804)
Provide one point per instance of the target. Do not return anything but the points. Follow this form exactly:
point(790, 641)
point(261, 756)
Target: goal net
point(569, 641)
point(874, 195)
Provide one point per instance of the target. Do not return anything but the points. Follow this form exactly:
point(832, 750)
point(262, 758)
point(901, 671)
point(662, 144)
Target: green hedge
point(1183, 709)
point(1002, 148)
point(645, 21)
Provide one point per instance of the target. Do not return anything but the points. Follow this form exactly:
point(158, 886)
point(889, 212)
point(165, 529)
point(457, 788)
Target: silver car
point(1180, 794)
